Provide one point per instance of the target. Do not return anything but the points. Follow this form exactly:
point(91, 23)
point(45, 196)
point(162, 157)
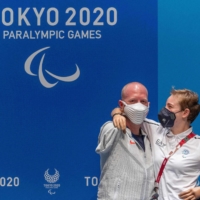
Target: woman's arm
point(190, 194)
point(119, 119)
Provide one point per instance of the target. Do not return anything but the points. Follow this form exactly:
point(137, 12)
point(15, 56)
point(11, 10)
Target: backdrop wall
point(63, 65)
point(178, 48)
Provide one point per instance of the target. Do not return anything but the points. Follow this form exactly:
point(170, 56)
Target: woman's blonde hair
point(188, 99)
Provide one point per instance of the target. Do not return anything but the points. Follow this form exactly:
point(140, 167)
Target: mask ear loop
point(179, 111)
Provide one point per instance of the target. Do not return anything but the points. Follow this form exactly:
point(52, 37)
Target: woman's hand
point(190, 194)
point(119, 120)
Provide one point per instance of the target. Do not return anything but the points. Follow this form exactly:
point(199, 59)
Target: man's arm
point(108, 135)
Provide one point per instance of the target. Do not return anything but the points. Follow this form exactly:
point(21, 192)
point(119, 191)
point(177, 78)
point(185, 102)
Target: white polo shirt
point(182, 169)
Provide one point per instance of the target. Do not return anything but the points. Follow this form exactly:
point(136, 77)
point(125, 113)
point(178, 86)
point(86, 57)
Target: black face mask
point(166, 117)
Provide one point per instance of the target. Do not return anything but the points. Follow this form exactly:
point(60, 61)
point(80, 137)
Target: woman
point(172, 138)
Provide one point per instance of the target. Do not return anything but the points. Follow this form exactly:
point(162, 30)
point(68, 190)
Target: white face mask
point(136, 112)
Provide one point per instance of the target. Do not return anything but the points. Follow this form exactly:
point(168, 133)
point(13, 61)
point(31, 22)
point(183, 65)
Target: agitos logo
point(43, 81)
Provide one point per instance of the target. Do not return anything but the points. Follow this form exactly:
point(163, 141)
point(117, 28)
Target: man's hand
point(190, 194)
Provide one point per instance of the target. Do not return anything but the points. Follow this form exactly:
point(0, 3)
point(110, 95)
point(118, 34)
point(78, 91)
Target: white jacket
point(126, 170)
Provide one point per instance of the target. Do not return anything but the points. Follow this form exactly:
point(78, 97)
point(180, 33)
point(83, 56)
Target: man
point(126, 160)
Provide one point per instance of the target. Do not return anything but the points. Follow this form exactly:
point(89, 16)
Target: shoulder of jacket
point(108, 126)
point(151, 122)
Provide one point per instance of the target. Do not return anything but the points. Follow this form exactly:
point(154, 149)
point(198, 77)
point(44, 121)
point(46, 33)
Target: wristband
point(116, 114)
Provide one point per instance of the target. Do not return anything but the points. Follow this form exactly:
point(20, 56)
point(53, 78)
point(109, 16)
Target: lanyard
point(178, 146)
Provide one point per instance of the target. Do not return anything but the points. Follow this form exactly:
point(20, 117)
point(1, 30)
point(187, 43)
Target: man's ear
point(121, 105)
point(186, 113)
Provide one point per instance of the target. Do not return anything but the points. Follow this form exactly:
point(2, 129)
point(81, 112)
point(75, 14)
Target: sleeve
point(107, 137)
point(150, 127)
